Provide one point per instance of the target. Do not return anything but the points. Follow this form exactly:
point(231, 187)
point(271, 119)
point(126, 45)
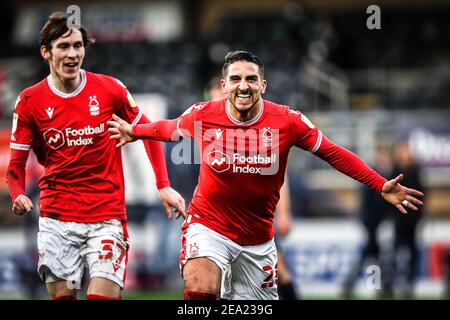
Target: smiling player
point(82, 207)
point(245, 141)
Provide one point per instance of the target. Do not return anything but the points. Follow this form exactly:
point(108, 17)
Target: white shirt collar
point(72, 94)
point(243, 123)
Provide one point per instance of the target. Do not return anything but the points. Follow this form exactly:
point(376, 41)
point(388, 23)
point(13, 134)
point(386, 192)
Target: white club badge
point(267, 137)
point(94, 106)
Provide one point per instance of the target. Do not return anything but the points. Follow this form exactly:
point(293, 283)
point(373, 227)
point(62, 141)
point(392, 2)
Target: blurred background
point(382, 93)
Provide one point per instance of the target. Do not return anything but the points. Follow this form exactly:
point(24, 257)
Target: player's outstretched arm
point(350, 164)
point(172, 199)
point(163, 130)
point(400, 196)
point(121, 130)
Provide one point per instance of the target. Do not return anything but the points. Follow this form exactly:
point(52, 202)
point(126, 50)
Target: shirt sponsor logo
point(221, 162)
point(218, 161)
point(74, 137)
point(247, 151)
point(243, 164)
point(54, 138)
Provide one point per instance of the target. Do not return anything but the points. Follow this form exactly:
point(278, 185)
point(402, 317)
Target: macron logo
point(218, 133)
point(49, 112)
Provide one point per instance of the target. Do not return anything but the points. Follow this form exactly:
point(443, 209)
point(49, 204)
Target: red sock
point(195, 295)
point(99, 297)
point(69, 297)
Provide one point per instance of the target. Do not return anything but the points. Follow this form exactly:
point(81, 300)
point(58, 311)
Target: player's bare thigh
point(202, 275)
point(103, 287)
point(282, 271)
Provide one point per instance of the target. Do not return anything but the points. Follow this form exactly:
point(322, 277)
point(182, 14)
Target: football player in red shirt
point(245, 141)
point(283, 217)
point(63, 119)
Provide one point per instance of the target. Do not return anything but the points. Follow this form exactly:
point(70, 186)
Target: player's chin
point(70, 76)
point(70, 73)
point(244, 107)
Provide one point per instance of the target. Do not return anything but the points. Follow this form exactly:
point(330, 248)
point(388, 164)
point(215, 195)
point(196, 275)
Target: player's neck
point(245, 116)
point(65, 86)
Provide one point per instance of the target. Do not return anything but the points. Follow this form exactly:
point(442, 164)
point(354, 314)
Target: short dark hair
point(241, 55)
point(55, 27)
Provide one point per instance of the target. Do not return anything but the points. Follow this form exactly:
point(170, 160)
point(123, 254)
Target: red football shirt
point(83, 179)
point(243, 164)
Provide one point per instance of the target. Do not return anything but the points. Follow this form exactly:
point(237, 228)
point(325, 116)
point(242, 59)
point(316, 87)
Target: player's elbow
point(12, 174)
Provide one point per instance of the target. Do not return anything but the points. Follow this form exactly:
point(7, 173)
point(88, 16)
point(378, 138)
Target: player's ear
point(222, 86)
point(45, 53)
point(263, 86)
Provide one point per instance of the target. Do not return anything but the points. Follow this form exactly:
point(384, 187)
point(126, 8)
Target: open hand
point(400, 196)
point(121, 130)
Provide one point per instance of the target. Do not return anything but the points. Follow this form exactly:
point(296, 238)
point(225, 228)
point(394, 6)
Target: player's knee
point(101, 297)
point(100, 287)
point(202, 275)
point(69, 297)
point(197, 295)
point(60, 291)
point(196, 282)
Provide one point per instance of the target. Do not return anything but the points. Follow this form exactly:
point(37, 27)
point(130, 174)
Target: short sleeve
point(21, 133)
point(305, 134)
